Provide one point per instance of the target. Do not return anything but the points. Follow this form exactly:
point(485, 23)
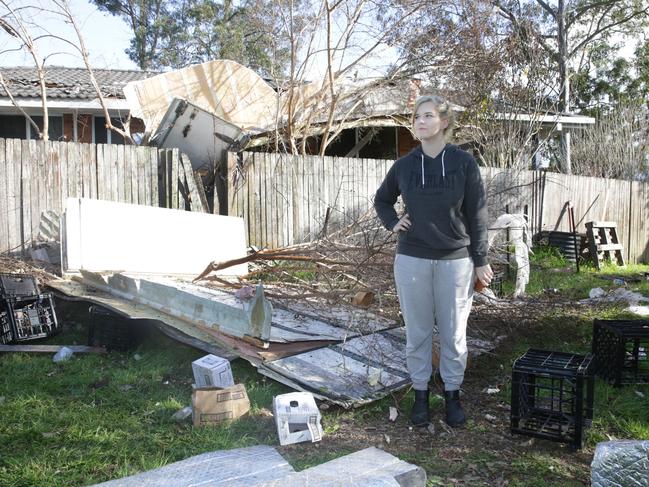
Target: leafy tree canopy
point(177, 33)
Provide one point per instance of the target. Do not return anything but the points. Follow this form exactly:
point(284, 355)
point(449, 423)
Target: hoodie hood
point(418, 153)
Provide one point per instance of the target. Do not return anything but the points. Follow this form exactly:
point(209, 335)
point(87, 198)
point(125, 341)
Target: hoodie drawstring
point(443, 170)
point(422, 168)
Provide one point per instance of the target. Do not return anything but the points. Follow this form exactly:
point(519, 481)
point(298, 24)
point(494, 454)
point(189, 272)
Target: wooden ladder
point(603, 243)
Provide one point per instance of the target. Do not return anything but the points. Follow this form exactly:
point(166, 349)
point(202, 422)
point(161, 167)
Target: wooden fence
point(288, 199)
point(284, 199)
point(36, 177)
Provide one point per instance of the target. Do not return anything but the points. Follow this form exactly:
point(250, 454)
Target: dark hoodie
point(446, 202)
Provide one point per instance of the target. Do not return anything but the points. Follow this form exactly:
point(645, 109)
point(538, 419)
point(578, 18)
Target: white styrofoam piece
point(212, 371)
point(297, 418)
point(122, 237)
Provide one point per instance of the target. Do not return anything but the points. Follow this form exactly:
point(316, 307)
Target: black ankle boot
point(419, 413)
point(454, 413)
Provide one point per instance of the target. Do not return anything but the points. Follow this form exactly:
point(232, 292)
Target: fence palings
point(284, 199)
point(38, 176)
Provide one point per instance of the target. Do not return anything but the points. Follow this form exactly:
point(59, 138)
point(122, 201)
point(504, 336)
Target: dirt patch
point(484, 452)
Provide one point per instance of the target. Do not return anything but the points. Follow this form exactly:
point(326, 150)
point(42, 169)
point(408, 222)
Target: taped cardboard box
point(297, 418)
point(213, 405)
point(212, 371)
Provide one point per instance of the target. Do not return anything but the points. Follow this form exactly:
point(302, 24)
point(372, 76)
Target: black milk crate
point(552, 396)
point(18, 286)
point(111, 330)
point(621, 351)
point(27, 319)
point(25, 312)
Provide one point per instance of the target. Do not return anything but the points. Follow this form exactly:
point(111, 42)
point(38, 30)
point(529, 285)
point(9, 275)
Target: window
point(55, 127)
point(12, 127)
point(105, 136)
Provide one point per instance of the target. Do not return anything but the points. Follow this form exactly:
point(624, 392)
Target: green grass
point(98, 417)
point(552, 275)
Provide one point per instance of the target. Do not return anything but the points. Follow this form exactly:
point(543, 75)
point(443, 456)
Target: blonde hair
point(443, 108)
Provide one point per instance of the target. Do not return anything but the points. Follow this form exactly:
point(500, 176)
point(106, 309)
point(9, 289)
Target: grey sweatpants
point(435, 294)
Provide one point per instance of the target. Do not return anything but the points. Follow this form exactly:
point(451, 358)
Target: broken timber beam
point(209, 308)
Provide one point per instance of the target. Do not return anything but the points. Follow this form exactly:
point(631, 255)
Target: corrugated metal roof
point(68, 83)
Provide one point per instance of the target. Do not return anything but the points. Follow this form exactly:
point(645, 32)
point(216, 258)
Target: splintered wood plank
point(101, 172)
point(25, 195)
point(153, 177)
point(54, 176)
point(120, 167)
point(163, 186)
point(4, 204)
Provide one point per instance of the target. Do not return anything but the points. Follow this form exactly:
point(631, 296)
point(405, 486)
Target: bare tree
point(341, 37)
point(17, 27)
point(617, 147)
point(66, 12)
point(566, 30)
point(21, 28)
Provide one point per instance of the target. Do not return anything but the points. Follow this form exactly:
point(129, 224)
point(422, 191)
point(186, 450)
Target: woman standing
point(442, 245)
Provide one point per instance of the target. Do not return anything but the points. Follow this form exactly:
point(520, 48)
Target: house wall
point(85, 122)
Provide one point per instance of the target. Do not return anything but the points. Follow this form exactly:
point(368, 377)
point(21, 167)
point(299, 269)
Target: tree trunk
point(564, 82)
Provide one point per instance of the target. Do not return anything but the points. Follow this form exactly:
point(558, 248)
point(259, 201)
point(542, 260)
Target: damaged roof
point(69, 83)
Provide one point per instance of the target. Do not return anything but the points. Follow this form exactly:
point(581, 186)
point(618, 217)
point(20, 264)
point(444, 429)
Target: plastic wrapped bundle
point(621, 464)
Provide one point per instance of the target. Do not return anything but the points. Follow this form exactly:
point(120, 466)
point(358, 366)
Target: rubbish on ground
point(596, 293)
point(214, 405)
point(182, 414)
point(492, 390)
point(393, 414)
point(363, 299)
point(490, 417)
point(297, 418)
point(25, 312)
point(212, 371)
point(62, 355)
point(620, 294)
point(639, 310)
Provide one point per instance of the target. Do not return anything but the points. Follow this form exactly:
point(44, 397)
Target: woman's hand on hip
point(484, 274)
point(403, 225)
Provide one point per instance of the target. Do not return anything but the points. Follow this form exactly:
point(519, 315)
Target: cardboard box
point(214, 405)
point(212, 371)
point(297, 418)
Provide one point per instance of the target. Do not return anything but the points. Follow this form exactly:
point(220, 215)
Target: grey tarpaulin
point(621, 464)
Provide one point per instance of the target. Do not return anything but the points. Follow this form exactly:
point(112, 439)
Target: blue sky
point(106, 37)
